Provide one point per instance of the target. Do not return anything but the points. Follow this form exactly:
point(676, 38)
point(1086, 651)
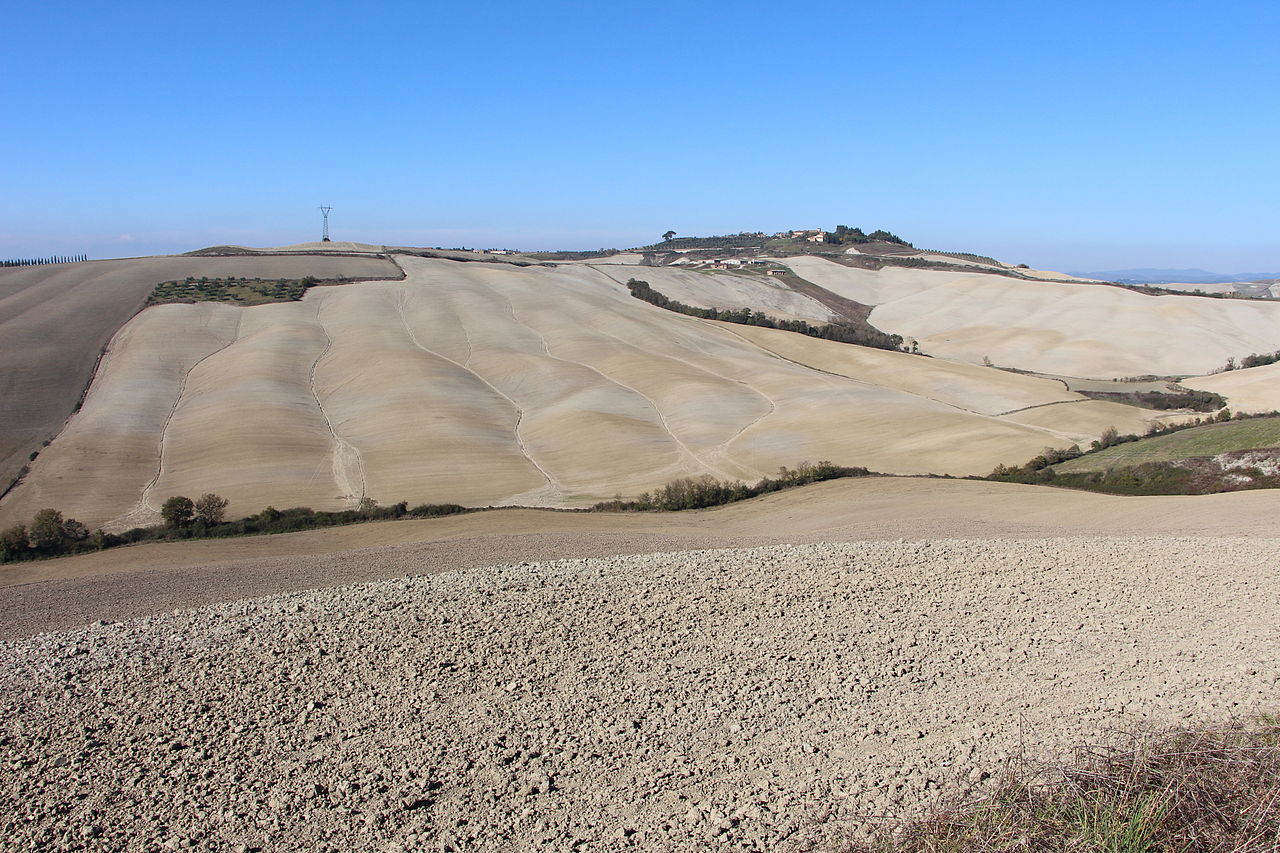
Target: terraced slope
point(55, 320)
point(495, 384)
point(1084, 330)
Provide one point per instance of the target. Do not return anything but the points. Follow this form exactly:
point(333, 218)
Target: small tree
point(74, 531)
point(14, 542)
point(46, 530)
point(667, 237)
point(178, 511)
point(211, 509)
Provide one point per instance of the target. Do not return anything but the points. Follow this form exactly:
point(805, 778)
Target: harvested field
point(1256, 389)
point(728, 290)
point(56, 319)
point(713, 700)
point(487, 383)
point(1085, 330)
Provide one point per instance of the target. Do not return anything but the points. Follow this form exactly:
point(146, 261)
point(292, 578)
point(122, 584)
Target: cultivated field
point(1083, 330)
point(727, 290)
point(487, 383)
point(768, 698)
point(56, 319)
point(1256, 389)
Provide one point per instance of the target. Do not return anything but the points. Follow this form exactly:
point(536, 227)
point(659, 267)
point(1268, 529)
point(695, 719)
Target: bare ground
point(766, 699)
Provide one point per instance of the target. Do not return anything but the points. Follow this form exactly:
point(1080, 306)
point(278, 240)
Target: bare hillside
point(56, 319)
point(1085, 330)
point(496, 384)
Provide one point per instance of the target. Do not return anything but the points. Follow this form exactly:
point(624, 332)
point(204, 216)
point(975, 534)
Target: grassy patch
point(1207, 440)
point(1184, 790)
point(233, 291)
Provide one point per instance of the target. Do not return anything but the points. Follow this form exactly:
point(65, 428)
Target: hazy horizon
point(1101, 138)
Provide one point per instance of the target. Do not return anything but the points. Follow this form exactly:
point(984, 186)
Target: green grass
point(1208, 440)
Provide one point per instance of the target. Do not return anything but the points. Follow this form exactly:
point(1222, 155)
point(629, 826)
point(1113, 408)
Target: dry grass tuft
point(1176, 791)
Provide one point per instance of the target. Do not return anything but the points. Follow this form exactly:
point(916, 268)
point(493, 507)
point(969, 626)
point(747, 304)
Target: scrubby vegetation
point(1196, 401)
point(49, 535)
point(1189, 790)
point(572, 255)
point(707, 491)
point(237, 291)
point(975, 258)
point(744, 240)
point(1252, 360)
point(846, 235)
point(844, 333)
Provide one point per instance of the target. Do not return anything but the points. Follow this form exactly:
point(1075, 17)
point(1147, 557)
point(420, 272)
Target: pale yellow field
point(1080, 330)
point(1254, 390)
point(495, 384)
point(55, 319)
point(728, 290)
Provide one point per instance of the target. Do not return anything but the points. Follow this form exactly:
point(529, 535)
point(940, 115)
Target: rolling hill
point(491, 383)
point(55, 321)
point(1083, 330)
point(518, 381)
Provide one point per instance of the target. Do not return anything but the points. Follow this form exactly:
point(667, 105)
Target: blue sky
point(1073, 136)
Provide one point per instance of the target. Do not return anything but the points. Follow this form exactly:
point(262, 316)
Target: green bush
point(707, 491)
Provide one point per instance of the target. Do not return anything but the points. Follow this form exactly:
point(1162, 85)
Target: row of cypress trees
point(53, 259)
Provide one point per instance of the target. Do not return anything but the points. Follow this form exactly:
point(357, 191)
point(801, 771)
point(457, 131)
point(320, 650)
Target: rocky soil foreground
point(709, 700)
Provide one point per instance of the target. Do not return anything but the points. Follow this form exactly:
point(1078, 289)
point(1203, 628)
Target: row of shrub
point(50, 535)
point(34, 262)
point(707, 491)
point(1252, 360)
point(841, 332)
point(1196, 401)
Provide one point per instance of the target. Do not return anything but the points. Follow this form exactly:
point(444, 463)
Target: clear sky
point(1084, 136)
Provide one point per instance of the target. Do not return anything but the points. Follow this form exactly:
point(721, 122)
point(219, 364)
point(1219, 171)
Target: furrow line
point(684, 448)
point(140, 512)
point(344, 453)
point(552, 482)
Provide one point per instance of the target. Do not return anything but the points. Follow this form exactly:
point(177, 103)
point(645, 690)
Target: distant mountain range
point(1158, 276)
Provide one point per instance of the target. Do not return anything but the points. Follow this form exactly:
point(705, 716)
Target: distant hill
point(1165, 276)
